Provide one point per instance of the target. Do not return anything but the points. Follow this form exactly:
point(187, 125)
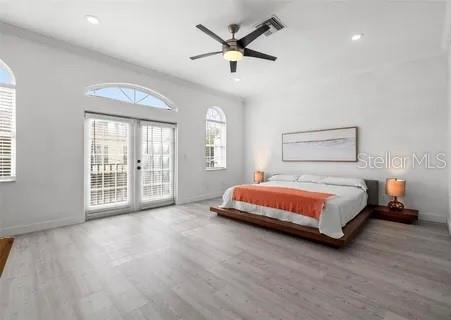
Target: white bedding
point(338, 210)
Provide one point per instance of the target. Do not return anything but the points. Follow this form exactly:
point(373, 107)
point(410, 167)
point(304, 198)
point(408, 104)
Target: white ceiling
point(315, 45)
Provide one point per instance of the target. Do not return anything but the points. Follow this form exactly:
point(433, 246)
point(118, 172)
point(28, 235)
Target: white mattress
point(338, 210)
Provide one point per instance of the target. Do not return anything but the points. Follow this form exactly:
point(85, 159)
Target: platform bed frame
point(351, 230)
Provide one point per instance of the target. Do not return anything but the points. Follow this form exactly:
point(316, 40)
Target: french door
point(129, 164)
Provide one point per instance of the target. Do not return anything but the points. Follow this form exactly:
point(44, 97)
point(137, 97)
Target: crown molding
point(20, 32)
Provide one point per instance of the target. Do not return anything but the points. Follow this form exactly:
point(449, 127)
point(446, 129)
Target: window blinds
point(157, 173)
point(7, 133)
point(108, 163)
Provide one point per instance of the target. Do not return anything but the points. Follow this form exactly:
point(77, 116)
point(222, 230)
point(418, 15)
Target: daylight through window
point(7, 124)
point(129, 94)
point(215, 139)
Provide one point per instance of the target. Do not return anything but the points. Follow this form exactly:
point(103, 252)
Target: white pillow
point(283, 177)
point(350, 182)
point(310, 178)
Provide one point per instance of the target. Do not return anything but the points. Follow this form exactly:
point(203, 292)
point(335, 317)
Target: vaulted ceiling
point(316, 43)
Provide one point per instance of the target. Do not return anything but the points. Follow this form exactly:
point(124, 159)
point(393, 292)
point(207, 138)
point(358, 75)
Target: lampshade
point(233, 55)
point(259, 176)
point(395, 187)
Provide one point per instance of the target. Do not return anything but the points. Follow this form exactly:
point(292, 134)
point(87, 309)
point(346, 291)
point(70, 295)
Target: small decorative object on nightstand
point(396, 188)
point(259, 176)
point(402, 216)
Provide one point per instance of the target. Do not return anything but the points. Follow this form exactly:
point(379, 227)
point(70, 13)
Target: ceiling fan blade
point(257, 54)
point(233, 65)
point(246, 40)
point(211, 34)
point(205, 55)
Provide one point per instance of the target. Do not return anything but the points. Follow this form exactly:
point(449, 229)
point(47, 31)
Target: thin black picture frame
point(321, 130)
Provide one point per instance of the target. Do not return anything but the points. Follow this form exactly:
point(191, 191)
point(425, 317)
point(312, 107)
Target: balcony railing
point(108, 183)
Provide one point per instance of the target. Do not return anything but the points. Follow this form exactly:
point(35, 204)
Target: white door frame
point(134, 192)
point(141, 205)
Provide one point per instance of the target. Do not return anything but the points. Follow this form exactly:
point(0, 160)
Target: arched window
point(130, 94)
point(215, 142)
point(7, 124)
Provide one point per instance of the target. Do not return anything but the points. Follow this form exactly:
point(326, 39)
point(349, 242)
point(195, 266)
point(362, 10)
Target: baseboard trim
point(432, 217)
point(202, 197)
point(50, 224)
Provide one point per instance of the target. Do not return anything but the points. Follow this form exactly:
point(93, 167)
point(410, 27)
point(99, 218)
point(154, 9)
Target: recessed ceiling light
point(357, 36)
point(236, 79)
point(92, 19)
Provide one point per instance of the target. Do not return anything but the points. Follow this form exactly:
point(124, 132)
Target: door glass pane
point(157, 163)
point(108, 163)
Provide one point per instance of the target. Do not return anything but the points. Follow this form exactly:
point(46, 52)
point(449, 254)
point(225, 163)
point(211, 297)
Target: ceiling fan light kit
point(234, 49)
point(233, 54)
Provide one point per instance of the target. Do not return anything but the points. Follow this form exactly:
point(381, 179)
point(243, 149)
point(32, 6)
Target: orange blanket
point(302, 202)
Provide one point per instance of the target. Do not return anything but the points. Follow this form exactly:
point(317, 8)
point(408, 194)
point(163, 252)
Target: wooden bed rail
point(350, 231)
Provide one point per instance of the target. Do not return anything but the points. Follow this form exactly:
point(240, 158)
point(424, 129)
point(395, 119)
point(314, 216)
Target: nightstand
point(402, 216)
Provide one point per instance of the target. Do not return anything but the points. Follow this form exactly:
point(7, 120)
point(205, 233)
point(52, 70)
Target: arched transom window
point(7, 124)
point(215, 142)
point(130, 94)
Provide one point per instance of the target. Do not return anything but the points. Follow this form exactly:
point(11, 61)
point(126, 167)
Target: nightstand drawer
point(402, 216)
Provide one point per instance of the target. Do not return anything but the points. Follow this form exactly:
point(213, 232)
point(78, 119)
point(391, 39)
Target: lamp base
point(395, 205)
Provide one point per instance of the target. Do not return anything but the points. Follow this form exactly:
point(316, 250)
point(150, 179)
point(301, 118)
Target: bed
point(342, 217)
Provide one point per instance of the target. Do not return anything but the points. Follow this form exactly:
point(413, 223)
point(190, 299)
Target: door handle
point(138, 167)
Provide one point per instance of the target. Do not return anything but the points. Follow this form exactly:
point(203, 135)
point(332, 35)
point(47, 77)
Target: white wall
point(399, 108)
point(446, 46)
point(51, 78)
point(449, 135)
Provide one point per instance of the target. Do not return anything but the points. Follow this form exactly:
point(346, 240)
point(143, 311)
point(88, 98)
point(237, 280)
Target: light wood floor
point(183, 262)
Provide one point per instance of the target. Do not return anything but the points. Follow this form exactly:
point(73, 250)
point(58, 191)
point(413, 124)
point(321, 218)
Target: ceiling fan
point(233, 49)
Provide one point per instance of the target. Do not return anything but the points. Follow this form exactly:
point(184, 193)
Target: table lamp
point(259, 176)
point(395, 188)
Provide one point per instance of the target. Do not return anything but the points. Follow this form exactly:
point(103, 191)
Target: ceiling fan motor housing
point(233, 28)
point(232, 45)
point(232, 51)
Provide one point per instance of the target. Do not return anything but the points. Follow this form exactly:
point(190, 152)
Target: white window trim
point(224, 122)
point(216, 169)
point(148, 91)
point(12, 86)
